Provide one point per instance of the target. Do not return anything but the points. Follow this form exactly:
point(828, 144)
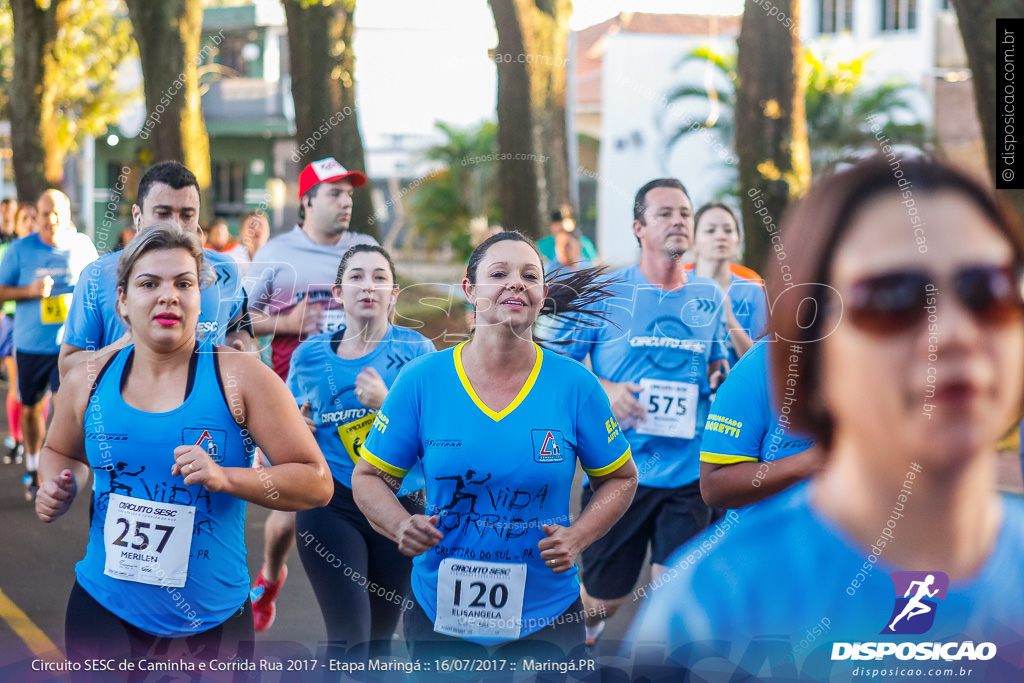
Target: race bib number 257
point(147, 541)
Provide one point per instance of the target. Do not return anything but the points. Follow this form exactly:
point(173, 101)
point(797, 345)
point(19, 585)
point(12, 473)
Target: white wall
point(639, 72)
point(906, 56)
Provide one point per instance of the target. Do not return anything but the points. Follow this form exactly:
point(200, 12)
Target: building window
point(836, 15)
point(228, 187)
point(232, 55)
point(899, 15)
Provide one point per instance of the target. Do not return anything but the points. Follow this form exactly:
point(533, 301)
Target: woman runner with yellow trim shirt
point(359, 577)
point(498, 424)
point(168, 432)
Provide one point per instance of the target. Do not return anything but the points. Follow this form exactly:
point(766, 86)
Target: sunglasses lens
point(992, 293)
point(888, 303)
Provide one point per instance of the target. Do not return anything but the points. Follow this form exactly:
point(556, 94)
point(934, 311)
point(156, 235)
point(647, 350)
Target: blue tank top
point(167, 558)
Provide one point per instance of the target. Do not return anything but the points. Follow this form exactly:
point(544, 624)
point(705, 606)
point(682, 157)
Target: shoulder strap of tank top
point(215, 358)
point(103, 371)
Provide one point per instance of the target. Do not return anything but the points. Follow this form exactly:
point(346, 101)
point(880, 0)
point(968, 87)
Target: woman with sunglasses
point(908, 319)
point(168, 433)
point(498, 424)
point(342, 378)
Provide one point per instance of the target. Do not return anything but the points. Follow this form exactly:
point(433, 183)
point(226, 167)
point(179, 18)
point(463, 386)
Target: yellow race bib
point(53, 310)
point(354, 434)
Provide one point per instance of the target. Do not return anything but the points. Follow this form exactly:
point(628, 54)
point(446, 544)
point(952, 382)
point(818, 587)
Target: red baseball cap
point(327, 171)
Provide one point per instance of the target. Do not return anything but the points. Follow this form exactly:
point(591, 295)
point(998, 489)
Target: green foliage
point(840, 110)
point(439, 214)
point(444, 205)
point(6, 57)
point(91, 45)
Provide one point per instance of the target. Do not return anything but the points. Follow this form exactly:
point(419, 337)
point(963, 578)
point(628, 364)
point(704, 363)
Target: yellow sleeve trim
point(383, 466)
point(608, 469)
point(724, 459)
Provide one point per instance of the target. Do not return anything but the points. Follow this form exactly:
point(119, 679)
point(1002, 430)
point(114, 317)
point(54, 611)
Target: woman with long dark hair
point(498, 424)
point(341, 378)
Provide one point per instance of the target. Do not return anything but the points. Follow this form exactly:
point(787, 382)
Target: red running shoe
point(263, 595)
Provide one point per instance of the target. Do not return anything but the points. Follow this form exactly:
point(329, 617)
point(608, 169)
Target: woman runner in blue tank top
point(341, 378)
point(169, 433)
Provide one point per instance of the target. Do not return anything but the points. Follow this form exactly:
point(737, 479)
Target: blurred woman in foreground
point(907, 367)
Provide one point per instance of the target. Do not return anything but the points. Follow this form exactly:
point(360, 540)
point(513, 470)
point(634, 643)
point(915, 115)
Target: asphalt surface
point(37, 572)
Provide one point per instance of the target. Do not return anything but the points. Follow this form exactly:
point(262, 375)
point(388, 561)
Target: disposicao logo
point(917, 601)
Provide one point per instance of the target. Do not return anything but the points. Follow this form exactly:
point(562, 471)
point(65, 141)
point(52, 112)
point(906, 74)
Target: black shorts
point(92, 632)
point(665, 518)
point(37, 372)
point(561, 639)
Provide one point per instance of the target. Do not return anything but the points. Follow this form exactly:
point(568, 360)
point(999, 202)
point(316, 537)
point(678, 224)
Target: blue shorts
point(6, 335)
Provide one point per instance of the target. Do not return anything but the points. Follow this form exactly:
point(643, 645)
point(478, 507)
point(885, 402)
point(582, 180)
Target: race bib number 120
point(147, 541)
point(480, 599)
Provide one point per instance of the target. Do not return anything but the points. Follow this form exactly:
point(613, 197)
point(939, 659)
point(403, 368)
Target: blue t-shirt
point(494, 479)
point(145, 522)
point(318, 375)
point(664, 339)
point(750, 307)
point(744, 425)
point(93, 321)
point(39, 323)
point(787, 576)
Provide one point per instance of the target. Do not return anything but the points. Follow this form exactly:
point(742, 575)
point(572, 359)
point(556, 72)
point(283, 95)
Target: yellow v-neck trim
point(523, 393)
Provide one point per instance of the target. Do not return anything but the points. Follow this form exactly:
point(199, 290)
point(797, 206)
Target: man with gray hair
point(39, 272)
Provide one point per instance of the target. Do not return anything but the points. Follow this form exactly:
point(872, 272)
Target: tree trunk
point(323, 88)
point(531, 59)
point(548, 39)
point(36, 155)
point(978, 29)
point(168, 34)
point(771, 126)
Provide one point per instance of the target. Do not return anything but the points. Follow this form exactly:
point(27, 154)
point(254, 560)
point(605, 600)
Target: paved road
point(37, 572)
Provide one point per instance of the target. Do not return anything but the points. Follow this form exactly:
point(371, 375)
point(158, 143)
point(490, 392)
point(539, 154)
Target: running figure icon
point(914, 606)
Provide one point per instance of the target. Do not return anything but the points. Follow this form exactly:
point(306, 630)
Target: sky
point(416, 65)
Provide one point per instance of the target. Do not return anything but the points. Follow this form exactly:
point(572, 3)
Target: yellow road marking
point(33, 636)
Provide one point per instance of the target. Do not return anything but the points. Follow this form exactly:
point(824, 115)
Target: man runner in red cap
point(290, 298)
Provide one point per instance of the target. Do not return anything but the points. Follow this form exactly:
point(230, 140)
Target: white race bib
point(671, 408)
point(480, 599)
point(146, 541)
point(332, 320)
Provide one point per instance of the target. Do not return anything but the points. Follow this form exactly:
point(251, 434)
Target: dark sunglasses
point(898, 301)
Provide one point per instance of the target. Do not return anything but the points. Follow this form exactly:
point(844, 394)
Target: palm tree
point(466, 188)
point(840, 111)
point(840, 114)
point(719, 92)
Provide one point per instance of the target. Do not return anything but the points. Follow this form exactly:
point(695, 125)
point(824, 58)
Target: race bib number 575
point(147, 541)
point(671, 408)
